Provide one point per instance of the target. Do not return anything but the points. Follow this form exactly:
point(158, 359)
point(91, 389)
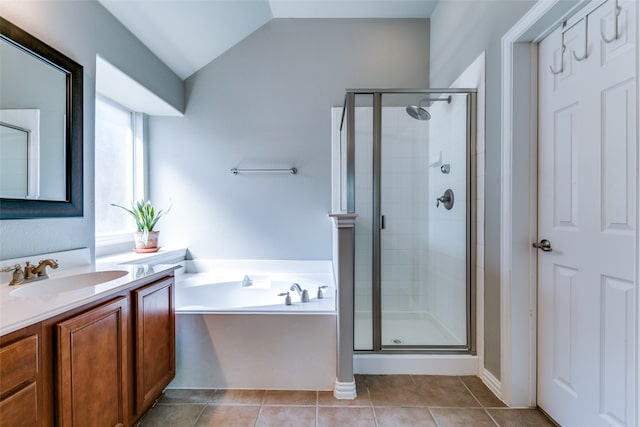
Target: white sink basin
point(59, 285)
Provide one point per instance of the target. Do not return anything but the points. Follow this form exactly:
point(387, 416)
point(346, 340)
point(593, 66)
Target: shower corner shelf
point(438, 162)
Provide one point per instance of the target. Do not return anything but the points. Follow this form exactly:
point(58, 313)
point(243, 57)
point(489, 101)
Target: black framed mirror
point(41, 128)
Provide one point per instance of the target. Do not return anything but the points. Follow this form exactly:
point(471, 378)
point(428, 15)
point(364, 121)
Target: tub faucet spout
point(247, 281)
point(304, 294)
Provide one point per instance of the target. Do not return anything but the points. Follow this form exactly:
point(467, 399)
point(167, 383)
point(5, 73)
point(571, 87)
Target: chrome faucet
point(30, 273)
point(304, 294)
point(246, 281)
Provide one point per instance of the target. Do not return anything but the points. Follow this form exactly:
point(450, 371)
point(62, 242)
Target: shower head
point(420, 113)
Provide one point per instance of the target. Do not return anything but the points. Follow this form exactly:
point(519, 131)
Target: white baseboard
point(415, 364)
point(492, 383)
point(344, 390)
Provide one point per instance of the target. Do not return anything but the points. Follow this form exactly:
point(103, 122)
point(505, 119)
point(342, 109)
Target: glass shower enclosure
point(406, 169)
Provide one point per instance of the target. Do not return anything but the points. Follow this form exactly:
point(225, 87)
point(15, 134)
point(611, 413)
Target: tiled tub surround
point(383, 401)
point(20, 311)
point(222, 344)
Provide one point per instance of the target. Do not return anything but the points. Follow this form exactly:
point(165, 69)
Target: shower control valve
point(446, 199)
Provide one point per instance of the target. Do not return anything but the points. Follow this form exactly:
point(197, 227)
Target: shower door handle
point(381, 222)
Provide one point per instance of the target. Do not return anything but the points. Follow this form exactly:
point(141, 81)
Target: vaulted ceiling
point(188, 34)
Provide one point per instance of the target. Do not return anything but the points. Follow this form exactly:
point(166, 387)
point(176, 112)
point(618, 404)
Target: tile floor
point(383, 401)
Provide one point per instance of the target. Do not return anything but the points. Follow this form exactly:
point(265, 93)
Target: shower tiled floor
point(383, 400)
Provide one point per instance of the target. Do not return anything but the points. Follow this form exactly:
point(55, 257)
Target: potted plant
point(146, 239)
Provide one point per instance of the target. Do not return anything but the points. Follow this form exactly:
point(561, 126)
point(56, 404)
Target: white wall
point(266, 103)
point(81, 30)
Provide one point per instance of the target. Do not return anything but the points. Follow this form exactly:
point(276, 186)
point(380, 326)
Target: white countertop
point(19, 311)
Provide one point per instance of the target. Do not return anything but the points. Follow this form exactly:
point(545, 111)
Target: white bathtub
point(200, 293)
point(230, 336)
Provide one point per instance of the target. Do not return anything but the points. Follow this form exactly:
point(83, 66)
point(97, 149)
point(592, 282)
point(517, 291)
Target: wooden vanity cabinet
point(20, 378)
point(102, 364)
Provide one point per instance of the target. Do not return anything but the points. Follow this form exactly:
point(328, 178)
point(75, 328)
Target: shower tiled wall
point(445, 288)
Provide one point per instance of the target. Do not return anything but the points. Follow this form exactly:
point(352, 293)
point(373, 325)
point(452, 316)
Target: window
point(119, 169)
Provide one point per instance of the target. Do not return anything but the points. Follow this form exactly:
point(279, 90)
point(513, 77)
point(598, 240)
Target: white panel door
point(587, 190)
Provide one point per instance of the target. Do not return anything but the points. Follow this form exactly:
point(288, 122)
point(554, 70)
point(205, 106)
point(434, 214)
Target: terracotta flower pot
point(150, 245)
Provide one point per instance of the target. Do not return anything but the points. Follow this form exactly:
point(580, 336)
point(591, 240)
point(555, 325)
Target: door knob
point(544, 244)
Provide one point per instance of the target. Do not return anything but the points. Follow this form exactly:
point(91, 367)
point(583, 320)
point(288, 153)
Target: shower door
point(413, 196)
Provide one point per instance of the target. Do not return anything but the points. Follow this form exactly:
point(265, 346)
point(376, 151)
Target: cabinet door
point(155, 341)
point(91, 378)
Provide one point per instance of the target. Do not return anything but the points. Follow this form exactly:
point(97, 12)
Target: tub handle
point(287, 299)
point(246, 281)
point(320, 289)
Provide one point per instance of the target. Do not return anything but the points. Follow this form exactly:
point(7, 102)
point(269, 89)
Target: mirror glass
point(14, 154)
point(40, 128)
point(21, 98)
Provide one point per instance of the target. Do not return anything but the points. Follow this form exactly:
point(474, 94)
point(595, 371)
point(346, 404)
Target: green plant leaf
point(145, 215)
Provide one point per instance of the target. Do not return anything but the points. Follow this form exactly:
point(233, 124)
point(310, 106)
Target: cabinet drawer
point(21, 408)
point(18, 363)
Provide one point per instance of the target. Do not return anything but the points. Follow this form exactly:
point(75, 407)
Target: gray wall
point(265, 103)
point(81, 29)
point(460, 32)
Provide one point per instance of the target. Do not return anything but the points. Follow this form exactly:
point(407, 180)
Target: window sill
point(163, 256)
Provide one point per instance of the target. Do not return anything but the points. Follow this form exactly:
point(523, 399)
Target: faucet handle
point(18, 276)
point(287, 299)
point(28, 270)
point(10, 269)
point(320, 291)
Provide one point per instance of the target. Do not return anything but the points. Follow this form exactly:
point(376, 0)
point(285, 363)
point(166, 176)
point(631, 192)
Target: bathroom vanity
point(99, 355)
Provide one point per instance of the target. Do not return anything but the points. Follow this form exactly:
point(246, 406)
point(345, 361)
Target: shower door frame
point(349, 115)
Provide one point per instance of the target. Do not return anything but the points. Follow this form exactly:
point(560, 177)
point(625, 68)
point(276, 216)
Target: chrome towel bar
point(236, 171)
